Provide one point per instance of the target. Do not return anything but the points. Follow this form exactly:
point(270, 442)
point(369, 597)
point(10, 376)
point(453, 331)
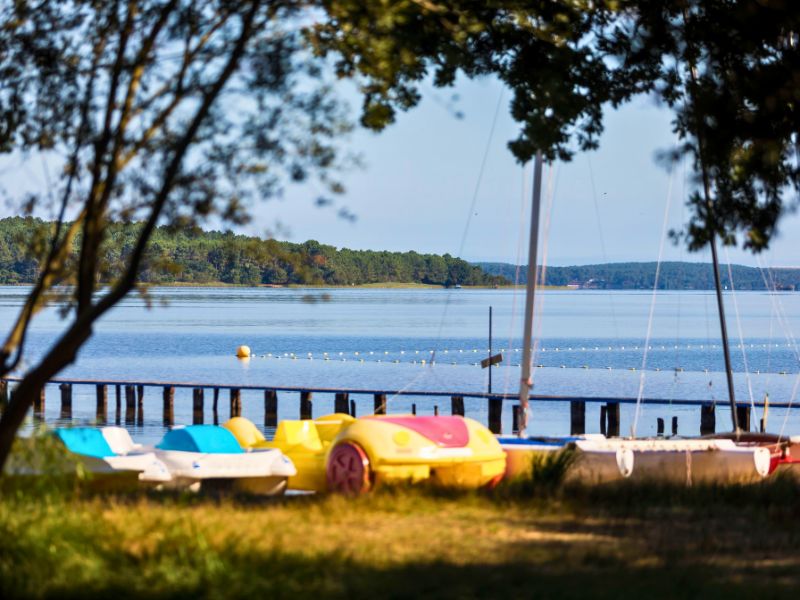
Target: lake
point(588, 343)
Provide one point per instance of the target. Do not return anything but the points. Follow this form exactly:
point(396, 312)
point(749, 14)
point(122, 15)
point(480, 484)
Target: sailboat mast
point(525, 382)
point(724, 328)
point(710, 207)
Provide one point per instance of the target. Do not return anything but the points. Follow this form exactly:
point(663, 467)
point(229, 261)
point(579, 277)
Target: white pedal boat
point(110, 451)
point(209, 457)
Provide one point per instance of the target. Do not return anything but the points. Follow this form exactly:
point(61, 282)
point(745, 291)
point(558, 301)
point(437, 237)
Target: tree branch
point(65, 349)
point(92, 230)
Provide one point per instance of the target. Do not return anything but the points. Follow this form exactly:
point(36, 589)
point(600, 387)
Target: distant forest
point(641, 276)
point(206, 257)
point(195, 256)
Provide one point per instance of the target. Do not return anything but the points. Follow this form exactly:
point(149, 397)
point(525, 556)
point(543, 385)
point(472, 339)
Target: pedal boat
point(209, 457)
point(93, 450)
point(339, 453)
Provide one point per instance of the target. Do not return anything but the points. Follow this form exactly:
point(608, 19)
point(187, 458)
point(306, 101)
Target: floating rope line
point(451, 352)
point(416, 360)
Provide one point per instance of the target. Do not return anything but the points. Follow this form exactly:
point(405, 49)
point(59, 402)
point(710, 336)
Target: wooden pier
point(343, 401)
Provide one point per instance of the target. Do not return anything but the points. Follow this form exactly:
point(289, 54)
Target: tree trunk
point(61, 355)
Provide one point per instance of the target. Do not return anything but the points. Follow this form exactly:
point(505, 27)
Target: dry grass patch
point(405, 543)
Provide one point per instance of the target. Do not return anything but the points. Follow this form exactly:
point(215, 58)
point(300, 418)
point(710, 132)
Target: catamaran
point(732, 457)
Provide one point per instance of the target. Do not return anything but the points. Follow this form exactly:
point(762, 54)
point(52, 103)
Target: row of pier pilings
point(131, 397)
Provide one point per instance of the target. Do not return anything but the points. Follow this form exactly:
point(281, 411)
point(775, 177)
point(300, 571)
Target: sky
point(420, 176)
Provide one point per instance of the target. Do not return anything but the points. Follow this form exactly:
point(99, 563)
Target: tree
point(545, 52)
point(729, 69)
point(161, 111)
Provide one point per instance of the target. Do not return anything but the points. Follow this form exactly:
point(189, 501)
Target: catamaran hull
point(694, 461)
point(591, 465)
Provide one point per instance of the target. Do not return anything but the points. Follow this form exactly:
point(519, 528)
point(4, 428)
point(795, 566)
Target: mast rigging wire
point(754, 414)
point(474, 201)
point(783, 322)
point(640, 393)
point(602, 243)
point(517, 271)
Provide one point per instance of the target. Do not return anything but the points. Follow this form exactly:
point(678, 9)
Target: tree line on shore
point(641, 276)
point(195, 256)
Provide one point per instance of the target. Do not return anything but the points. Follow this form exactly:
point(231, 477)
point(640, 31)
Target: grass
point(540, 539)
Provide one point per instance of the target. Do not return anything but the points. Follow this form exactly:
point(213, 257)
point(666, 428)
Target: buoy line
point(543, 349)
point(410, 358)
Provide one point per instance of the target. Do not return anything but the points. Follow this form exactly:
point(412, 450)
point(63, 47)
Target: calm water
point(376, 338)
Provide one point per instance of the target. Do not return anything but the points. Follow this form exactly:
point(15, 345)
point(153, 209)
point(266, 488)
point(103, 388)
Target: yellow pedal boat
point(343, 454)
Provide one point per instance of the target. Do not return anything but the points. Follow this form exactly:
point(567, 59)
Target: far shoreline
point(378, 285)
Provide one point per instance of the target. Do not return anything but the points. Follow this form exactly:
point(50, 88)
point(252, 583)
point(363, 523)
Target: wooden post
point(198, 409)
point(577, 417)
point(435, 410)
point(38, 405)
point(603, 419)
point(496, 415)
point(516, 417)
point(763, 425)
point(140, 404)
point(352, 408)
point(169, 406)
point(66, 400)
point(613, 419)
point(305, 405)
point(118, 392)
point(413, 409)
point(3, 395)
point(457, 405)
point(743, 414)
point(236, 402)
point(101, 410)
point(674, 426)
point(708, 419)
point(216, 406)
point(341, 403)
point(379, 403)
point(659, 427)
point(271, 408)
point(130, 404)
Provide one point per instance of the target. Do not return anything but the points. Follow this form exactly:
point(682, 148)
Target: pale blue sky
point(416, 188)
point(421, 173)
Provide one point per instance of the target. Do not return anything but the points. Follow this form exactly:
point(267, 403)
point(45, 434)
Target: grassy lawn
point(612, 542)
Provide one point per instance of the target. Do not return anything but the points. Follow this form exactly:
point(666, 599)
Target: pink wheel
point(494, 482)
point(348, 470)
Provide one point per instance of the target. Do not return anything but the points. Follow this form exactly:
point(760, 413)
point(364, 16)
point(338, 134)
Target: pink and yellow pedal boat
point(343, 454)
